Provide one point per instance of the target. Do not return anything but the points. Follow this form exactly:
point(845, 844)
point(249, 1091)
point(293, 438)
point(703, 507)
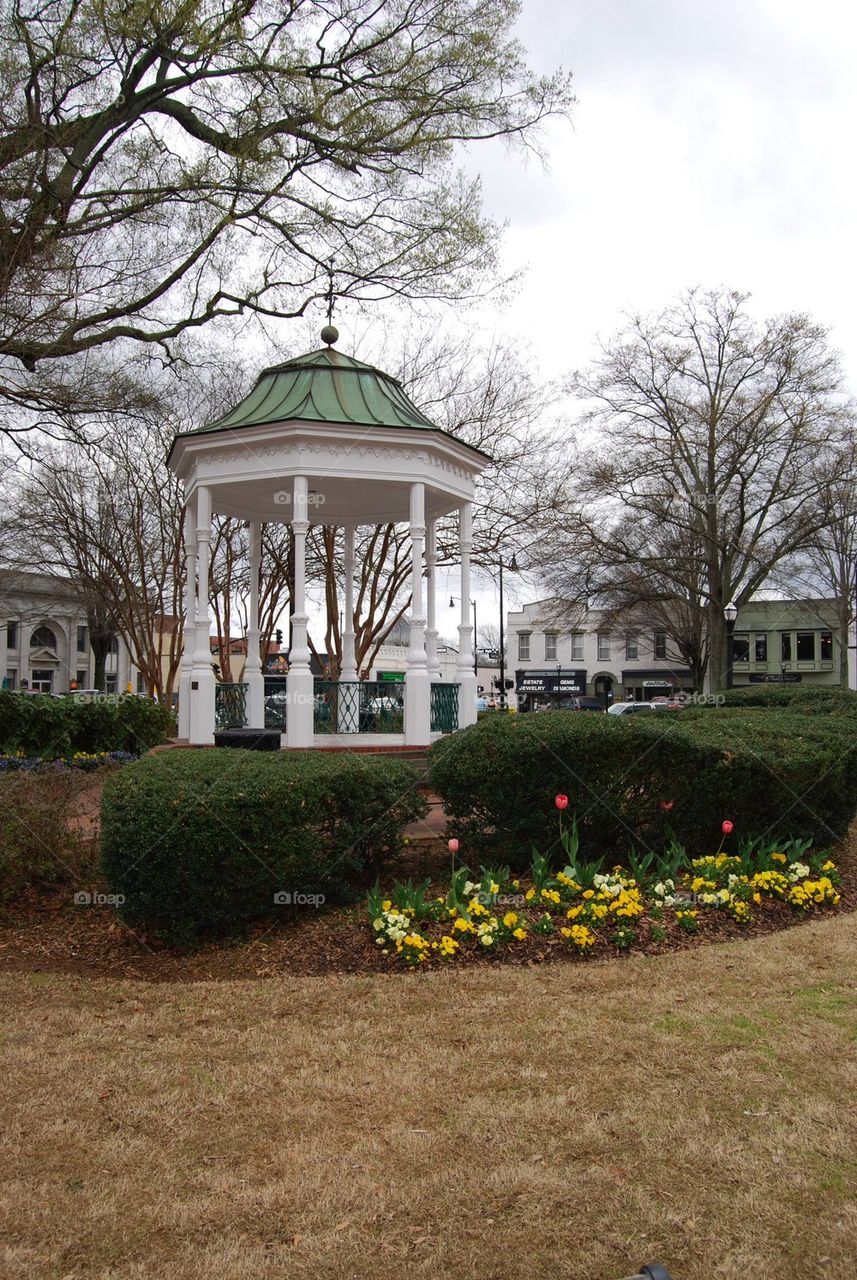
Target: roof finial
point(330, 333)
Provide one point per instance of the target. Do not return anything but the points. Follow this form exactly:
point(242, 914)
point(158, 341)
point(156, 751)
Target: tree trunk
point(844, 637)
point(717, 658)
point(100, 650)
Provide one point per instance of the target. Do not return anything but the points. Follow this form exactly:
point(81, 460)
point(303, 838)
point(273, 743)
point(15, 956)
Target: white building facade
point(44, 638)
point(550, 663)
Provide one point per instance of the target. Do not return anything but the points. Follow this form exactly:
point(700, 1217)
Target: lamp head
point(731, 611)
point(451, 603)
point(512, 566)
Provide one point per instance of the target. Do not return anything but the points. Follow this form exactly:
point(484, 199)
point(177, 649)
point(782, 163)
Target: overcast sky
point(711, 144)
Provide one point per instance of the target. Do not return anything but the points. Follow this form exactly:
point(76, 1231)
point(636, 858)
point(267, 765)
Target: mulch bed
point(53, 935)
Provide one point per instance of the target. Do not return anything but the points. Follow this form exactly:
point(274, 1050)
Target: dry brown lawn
point(695, 1108)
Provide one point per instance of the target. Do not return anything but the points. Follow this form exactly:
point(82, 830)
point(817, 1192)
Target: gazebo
point(327, 439)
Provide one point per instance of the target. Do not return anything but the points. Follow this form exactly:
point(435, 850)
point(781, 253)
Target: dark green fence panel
point(444, 707)
point(357, 706)
point(275, 703)
point(230, 706)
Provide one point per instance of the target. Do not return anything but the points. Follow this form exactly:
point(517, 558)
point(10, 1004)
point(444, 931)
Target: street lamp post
point(512, 566)
point(730, 613)
point(558, 683)
point(452, 600)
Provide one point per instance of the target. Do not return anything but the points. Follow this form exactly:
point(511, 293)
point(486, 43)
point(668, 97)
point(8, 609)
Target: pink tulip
point(561, 802)
point(667, 805)
point(726, 827)
point(452, 846)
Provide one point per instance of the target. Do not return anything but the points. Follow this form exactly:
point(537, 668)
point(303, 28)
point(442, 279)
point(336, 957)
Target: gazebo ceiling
point(332, 500)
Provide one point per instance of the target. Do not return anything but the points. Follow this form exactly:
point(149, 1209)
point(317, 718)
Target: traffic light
point(510, 684)
point(278, 636)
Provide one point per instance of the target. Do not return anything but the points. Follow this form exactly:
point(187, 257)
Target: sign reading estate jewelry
point(546, 681)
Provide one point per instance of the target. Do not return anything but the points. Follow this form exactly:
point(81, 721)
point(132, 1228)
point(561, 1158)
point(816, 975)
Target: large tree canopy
point(703, 467)
point(167, 162)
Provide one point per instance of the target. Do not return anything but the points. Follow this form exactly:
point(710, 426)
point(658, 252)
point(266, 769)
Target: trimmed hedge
point(805, 698)
point(40, 725)
point(768, 771)
point(198, 842)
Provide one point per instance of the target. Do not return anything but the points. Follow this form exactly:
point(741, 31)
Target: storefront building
point(553, 662)
point(773, 641)
point(786, 642)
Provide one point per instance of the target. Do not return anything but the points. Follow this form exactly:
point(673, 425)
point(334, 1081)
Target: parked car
point(630, 708)
point(377, 705)
point(581, 702)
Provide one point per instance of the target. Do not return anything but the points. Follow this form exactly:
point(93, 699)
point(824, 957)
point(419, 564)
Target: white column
point(431, 604)
point(189, 627)
point(253, 675)
point(466, 675)
point(299, 680)
point(201, 729)
point(348, 706)
point(417, 681)
point(348, 670)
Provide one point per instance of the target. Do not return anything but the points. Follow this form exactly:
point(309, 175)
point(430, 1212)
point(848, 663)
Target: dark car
point(581, 702)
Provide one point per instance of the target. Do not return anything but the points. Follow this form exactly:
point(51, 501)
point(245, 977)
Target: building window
point(761, 648)
point(577, 646)
point(81, 679)
point(806, 646)
point(740, 647)
point(114, 646)
point(141, 683)
point(523, 646)
point(631, 649)
point(11, 635)
point(603, 646)
point(42, 681)
point(110, 683)
point(550, 646)
point(827, 646)
point(43, 638)
point(82, 640)
point(660, 645)
point(10, 680)
point(786, 650)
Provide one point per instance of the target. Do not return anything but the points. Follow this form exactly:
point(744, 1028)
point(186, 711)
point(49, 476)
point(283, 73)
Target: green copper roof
point(324, 386)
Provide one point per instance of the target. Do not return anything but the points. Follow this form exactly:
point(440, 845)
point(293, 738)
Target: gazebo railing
point(230, 706)
point(276, 702)
point(356, 706)
point(444, 707)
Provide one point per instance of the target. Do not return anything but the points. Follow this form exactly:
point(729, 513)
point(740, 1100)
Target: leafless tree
point(701, 473)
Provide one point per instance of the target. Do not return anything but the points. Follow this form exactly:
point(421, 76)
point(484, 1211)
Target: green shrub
point(805, 698)
point(774, 771)
point(199, 842)
point(40, 845)
point(39, 725)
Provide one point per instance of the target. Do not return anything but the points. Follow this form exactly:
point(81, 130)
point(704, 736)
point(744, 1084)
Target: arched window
point(43, 638)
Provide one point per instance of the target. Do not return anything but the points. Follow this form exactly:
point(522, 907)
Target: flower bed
point(582, 909)
point(87, 761)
